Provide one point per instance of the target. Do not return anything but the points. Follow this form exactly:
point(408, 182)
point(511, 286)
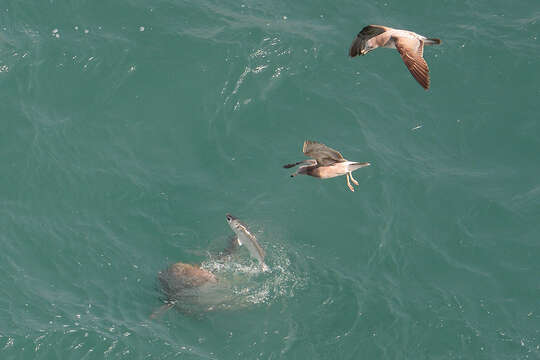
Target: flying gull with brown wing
point(326, 163)
point(409, 44)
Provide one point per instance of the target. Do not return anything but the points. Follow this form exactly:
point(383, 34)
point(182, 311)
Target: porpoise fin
point(161, 310)
point(234, 243)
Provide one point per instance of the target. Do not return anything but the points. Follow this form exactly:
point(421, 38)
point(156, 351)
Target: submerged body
point(409, 44)
point(181, 283)
point(180, 277)
point(188, 284)
point(326, 163)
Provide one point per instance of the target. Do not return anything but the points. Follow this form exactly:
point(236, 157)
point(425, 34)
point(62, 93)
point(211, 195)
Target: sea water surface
point(129, 129)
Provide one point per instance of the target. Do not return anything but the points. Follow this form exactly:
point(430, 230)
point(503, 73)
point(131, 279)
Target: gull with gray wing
point(326, 163)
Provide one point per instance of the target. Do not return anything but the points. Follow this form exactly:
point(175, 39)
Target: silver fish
point(245, 237)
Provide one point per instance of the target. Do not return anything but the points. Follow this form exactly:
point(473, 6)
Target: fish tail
point(161, 310)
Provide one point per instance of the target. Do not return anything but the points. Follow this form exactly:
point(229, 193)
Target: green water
point(130, 128)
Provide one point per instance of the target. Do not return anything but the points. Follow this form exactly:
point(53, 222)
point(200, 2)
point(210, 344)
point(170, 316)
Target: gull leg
point(349, 184)
point(353, 179)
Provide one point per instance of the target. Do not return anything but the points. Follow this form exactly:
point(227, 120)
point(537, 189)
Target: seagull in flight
point(409, 44)
point(326, 163)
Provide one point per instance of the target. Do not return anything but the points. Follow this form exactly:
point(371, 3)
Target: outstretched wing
point(322, 153)
point(412, 51)
point(363, 36)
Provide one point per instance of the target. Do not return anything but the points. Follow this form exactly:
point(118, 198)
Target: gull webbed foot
point(353, 179)
point(349, 184)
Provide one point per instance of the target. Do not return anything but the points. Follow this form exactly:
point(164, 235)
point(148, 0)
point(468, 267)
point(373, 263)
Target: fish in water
point(409, 44)
point(326, 163)
point(246, 238)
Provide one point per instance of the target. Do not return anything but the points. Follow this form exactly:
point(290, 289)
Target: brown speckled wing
point(411, 51)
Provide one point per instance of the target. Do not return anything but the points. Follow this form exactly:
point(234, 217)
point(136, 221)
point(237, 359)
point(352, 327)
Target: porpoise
point(246, 238)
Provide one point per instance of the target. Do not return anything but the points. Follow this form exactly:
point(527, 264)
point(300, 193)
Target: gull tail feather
point(288, 166)
point(432, 41)
point(358, 165)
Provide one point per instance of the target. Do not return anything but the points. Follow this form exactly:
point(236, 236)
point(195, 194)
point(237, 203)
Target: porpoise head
point(232, 221)
point(235, 224)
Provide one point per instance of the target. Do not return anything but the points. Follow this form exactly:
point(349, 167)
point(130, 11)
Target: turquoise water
point(130, 128)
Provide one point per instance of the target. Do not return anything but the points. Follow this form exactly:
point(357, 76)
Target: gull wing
point(412, 51)
point(322, 153)
point(363, 36)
